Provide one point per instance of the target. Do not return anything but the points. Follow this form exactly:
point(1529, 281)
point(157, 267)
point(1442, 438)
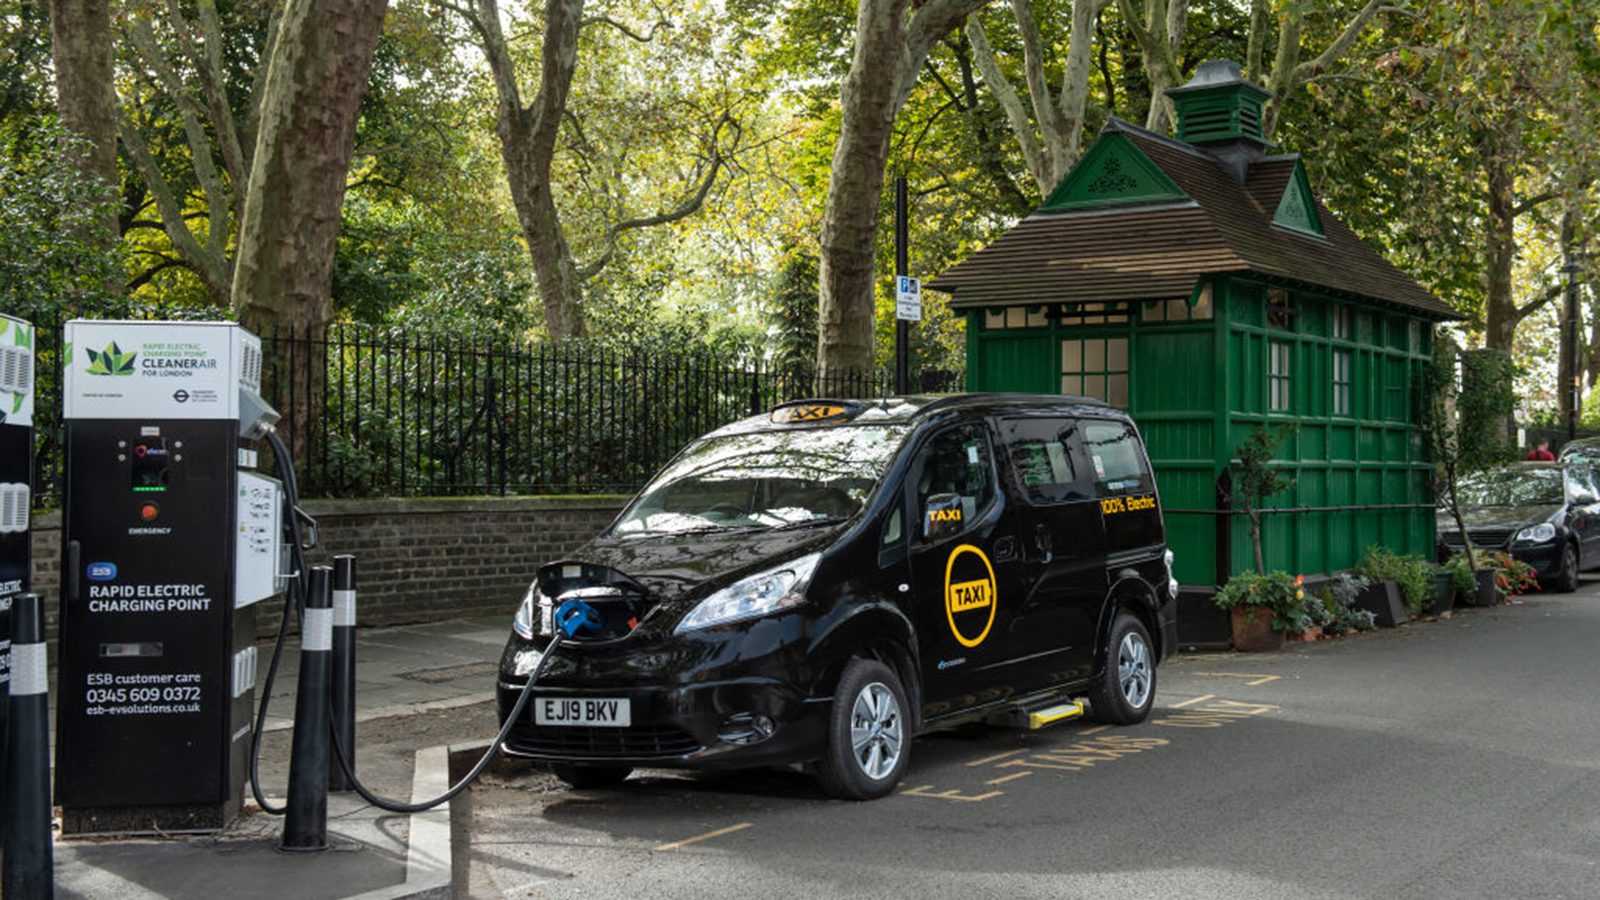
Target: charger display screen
point(150, 464)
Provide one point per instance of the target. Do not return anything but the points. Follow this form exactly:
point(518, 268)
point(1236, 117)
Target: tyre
point(1565, 581)
point(592, 776)
point(1126, 688)
point(869, 735)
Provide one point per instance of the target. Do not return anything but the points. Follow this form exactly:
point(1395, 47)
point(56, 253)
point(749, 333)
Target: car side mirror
point(941, 517)
point(1584, 498)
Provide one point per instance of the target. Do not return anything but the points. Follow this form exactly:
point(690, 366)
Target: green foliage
point(1337, 611)
point(793, 315)
point(1412, 573)
point(1512, 577)
point(48, 257)
point(1461, 574)
point(1278, 593)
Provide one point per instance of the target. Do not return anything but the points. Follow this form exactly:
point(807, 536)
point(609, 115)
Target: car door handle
point(1005, 548)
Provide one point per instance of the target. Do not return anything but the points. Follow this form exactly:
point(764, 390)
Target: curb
point(428, 845)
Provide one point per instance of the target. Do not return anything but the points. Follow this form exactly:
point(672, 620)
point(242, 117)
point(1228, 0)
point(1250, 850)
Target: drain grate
point(451, 673)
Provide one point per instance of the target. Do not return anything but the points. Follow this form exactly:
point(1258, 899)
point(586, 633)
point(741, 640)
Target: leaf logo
point(110, 361)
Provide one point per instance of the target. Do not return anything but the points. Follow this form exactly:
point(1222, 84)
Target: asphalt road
point(1450, 759)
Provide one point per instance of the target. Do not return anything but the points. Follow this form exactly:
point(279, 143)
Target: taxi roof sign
point(801, 412)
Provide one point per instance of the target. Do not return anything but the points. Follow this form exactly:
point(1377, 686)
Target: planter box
point(1314, 633)
point(1383, 600)
point(1202, 625)
point(1486, 594)
point(1443, 597)
point(1253, 631)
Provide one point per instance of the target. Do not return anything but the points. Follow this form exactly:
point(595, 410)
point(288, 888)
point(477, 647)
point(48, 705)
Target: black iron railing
point(385, 412)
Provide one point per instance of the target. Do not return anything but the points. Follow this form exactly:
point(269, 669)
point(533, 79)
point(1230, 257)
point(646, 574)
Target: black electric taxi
point(819, 584)
point(1546, 514)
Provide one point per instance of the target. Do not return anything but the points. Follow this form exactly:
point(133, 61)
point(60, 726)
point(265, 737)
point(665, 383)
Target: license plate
point(604, 712)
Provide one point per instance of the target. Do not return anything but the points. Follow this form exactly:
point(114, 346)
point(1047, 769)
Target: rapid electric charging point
point(169, 541)
point(16, 480)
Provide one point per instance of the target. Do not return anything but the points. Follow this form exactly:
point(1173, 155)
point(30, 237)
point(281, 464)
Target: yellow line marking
point(1199, 699)
point(922, 790)
point(989, 759)
point(1259, 679)
point(1095, 730)
point(1007, 778)
point(704, 837)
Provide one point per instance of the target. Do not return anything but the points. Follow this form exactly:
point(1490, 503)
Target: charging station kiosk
point(16, 481)
point(169, 540)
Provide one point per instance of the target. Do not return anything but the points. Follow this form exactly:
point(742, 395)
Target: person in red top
point(1541, 452)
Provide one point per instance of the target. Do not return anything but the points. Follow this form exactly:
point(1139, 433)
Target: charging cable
point(294, 602)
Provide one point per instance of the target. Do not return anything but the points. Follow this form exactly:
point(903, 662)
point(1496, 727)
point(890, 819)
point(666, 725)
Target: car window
point(956, 461)
point(1041, 454)
point(1580, 480)
point(1512, 487)
point(1114, 454)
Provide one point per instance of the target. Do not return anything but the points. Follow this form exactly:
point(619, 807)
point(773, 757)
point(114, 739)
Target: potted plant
point(1444, 594)
point(1512, 577)
point(1263, 607)
point(1463, 580)
point(1337, 597)
point(1400, 585)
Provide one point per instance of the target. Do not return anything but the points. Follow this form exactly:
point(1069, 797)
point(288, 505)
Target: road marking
point(1095, 730)
point(1007, 778)
point(923, 790)
point(1215, 714)
point(704, 837)
point(989, 759)
point(1199, 699)
point(1257, 679)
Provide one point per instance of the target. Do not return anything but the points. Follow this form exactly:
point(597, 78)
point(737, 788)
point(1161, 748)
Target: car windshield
point(771, 479)
point(1513, 488)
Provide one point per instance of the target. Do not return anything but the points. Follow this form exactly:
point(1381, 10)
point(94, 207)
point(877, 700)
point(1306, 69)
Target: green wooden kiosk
point(1200, 285)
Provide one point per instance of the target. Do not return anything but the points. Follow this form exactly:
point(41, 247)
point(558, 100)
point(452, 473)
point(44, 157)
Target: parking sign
point(908, 298)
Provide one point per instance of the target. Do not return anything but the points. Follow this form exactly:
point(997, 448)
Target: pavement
point(373, 854)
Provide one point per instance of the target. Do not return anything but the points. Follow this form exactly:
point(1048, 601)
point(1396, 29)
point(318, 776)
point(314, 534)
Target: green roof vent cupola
point(1220, 112)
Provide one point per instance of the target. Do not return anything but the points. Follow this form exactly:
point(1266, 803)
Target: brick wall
point(416, 560)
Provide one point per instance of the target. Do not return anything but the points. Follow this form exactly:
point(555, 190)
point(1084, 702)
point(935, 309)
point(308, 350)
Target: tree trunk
point(889, 50)
point(283, 273)
point(1500, 309)
point(527, 145)
point(80, 36)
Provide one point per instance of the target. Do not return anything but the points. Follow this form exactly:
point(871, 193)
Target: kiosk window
point(956, 461)
point(1119, 466)
point(1041, 455)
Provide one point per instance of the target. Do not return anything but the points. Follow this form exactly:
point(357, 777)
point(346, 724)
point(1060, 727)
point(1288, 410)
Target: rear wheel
point(592, 776)
point(869, 738)
point(1126, 688)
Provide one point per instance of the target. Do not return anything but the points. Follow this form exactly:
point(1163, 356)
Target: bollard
point(28, 852)
point(305, 823)
point(344, 671)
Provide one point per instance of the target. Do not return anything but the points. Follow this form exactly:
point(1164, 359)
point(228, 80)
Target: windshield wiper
point(807, 523)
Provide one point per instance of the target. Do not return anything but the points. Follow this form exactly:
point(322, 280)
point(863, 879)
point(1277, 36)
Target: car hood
point(1499, 516)
point(671, 566)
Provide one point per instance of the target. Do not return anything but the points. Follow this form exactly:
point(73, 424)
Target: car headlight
point(1536, 534)
point(778, 588)
point(533, 604)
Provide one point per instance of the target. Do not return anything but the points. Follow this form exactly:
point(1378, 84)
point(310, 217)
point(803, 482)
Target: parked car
point(1580, 450)
point(819, 584)
point(1542, 513)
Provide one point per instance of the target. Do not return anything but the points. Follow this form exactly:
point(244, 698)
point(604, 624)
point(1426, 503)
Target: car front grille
point(580, 742)
point(1486, 538)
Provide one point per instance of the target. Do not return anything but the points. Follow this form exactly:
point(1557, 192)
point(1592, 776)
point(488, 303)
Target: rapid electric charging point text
point(168, 546)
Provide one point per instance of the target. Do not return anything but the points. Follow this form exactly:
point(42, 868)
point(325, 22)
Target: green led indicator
point(149, 489)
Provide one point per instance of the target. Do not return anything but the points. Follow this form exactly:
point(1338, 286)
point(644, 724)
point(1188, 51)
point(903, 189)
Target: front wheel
point(1126, 688)
point(869, 739)
point(1566, 581)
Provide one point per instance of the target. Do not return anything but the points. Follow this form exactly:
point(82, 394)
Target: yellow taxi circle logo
point(969, 594)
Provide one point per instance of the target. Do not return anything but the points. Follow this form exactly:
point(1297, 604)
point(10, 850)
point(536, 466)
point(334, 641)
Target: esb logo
point(102, 571)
